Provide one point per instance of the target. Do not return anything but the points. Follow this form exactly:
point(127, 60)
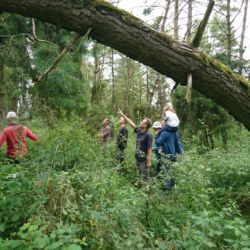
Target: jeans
point(171, 129)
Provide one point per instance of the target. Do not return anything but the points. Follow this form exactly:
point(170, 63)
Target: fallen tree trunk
point(122, 31)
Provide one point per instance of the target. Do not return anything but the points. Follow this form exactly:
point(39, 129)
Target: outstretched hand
point(119, 112)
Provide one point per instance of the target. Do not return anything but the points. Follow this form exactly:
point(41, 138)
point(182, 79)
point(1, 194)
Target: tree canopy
point(122, 31)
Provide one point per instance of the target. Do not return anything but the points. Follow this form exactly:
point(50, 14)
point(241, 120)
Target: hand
point(148, 163)
point(119, 112)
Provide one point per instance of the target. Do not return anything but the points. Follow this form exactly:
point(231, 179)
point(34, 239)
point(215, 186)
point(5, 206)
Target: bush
point(68, 195)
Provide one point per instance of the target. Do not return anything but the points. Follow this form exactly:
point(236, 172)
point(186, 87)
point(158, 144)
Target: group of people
point(165, 146)
point(166, 141)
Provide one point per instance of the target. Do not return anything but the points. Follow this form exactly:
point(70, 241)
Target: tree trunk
point(161, 91)
point(113, 99)
point(243, 31)
point(129, 100)
point(190, 20)
point(176, 19)
point(164, 19)
point(2, 92)
point(229, 33)
point(129, 35)
point(97, 87)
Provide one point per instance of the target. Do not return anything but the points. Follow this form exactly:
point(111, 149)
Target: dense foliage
point(68, 195)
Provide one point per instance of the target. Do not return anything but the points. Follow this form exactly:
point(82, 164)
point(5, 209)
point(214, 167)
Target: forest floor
point(68, 195)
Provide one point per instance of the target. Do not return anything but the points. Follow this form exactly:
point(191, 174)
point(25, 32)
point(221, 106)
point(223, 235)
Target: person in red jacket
point(14, 135)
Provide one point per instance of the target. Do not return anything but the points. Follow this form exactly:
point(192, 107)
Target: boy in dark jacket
point(121, 140)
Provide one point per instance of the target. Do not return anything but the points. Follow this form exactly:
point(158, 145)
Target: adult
point(14, 135)
point(105, 134)
point(143, 148)
point(121, 141)
point(171, 145)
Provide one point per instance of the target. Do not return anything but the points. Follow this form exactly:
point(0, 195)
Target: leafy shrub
point(69, 195)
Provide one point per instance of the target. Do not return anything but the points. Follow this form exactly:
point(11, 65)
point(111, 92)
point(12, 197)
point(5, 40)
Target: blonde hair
point(169, 107)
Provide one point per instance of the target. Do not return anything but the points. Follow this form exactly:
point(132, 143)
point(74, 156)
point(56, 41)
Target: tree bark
point(129, 35)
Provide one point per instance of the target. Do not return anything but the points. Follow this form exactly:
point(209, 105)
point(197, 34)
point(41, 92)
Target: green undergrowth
point(69, 195)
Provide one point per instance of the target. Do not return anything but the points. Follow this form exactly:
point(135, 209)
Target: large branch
point(129, 35)
point(198, 36)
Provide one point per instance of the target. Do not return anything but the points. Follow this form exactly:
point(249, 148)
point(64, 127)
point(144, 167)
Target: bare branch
point(60, 56)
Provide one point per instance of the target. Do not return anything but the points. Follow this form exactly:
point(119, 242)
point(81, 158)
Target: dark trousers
point(120, 155)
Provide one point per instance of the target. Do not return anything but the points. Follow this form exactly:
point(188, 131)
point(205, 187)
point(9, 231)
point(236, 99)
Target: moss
point(165, 37)
point(102, 5)
point(126, 16)
point(129, 19)
point(209, 61)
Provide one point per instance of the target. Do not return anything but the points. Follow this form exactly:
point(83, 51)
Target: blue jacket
point(157, 148)
point(169, 142)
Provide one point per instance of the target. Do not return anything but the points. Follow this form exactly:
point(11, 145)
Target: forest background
point(67, 195)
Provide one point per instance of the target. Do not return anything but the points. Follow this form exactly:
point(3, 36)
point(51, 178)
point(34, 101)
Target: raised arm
point(128, 120)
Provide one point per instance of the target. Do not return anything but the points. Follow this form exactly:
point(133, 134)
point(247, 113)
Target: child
point(156, 149)
point(172, 120)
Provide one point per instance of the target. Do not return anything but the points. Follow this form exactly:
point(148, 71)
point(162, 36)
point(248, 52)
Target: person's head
point(168, 107)
point(11, 117)
point(105, 122)
point(122, 121)
point(145, 124)
point(156, 126)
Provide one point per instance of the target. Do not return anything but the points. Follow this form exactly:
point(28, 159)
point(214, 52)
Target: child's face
point(156, 129)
